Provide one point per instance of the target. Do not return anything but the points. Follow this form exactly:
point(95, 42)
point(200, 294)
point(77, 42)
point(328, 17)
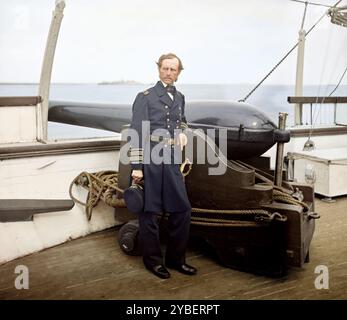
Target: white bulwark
point(32, 167)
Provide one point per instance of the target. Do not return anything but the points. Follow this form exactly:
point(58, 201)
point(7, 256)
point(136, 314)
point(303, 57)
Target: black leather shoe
point(160, 271)
point(183, 268)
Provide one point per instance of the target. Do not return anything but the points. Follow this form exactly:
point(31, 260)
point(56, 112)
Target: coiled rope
point(101, 185)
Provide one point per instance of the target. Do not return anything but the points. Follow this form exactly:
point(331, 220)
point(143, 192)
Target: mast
point(300, 70)
point(46, 70)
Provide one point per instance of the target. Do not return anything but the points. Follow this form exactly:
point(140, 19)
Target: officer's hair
point(170, 56)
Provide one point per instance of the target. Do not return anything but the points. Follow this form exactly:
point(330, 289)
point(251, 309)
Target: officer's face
point(168, 72)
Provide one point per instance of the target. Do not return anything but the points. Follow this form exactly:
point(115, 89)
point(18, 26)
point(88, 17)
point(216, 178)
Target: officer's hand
point(137, 175)
point(182, 140)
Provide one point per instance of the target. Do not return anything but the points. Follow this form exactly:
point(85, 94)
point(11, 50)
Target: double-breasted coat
point(164, 187)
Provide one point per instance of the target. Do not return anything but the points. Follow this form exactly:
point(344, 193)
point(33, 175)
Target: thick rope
point(230, 212)
point(206, 223)
point(285, 198)
point(103, 186)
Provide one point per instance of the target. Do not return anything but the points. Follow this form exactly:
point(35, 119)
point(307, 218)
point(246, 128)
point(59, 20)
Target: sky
point(219, 41)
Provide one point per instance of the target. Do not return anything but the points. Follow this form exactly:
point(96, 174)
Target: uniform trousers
point(178, 235)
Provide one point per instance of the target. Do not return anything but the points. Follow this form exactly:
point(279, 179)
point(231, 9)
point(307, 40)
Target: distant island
point(127, 82)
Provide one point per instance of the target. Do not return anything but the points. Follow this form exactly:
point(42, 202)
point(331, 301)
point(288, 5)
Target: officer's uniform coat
point(164, 186)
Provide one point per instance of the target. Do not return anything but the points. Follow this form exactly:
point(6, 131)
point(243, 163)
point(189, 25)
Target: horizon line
point(109, 83)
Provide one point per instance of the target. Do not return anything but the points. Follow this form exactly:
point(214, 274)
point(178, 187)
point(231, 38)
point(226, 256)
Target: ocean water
point(271, 99)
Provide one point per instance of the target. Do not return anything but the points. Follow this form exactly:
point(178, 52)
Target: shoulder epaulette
point(146, 92)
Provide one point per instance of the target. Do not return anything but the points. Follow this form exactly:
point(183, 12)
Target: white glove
point(182, 140)
point(137, 175)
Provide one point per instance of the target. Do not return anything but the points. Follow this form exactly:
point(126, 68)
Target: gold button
point(168, 113)
point(167, 119)
point(166, 107)
point(168, 126)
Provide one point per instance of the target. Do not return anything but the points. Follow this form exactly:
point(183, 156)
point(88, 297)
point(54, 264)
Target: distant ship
point(119, 82)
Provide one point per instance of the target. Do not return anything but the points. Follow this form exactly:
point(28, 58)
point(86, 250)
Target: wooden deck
point(95, 268)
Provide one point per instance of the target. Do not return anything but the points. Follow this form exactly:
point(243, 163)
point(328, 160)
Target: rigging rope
point(329, 95)
point(338, 84)
point(287, 54)
point(316, 111)
point(312, 3)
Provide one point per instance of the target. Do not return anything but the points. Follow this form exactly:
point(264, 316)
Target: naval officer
point(162, 108)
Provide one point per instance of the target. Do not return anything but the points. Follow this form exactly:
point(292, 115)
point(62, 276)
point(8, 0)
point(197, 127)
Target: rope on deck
point(102, 185)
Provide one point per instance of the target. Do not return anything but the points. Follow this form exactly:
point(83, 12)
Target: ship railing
point(338, 114)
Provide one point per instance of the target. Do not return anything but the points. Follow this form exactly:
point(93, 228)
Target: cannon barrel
point(250, 132)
